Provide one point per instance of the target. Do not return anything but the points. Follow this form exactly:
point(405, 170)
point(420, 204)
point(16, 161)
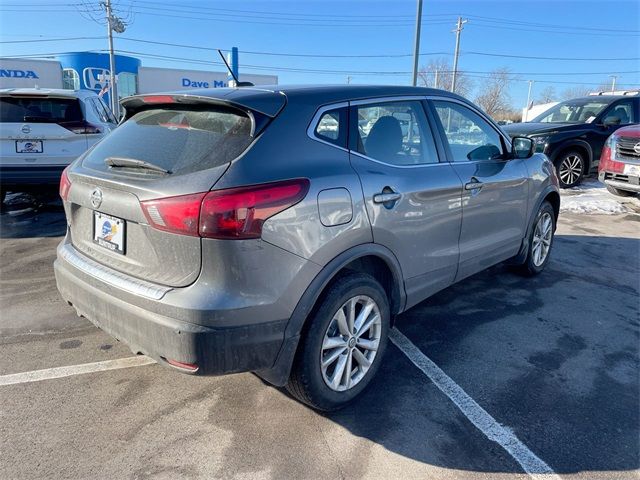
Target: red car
point(619, 167)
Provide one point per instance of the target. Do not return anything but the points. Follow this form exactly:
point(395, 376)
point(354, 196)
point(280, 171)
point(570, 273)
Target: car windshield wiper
point(134, 163)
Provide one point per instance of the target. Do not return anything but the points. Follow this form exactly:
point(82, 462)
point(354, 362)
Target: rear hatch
point(163, 150)
point(41, 129)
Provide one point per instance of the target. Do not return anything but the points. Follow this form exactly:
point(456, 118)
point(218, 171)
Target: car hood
point(534, 128)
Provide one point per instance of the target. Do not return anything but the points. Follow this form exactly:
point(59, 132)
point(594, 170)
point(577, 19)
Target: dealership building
point(90, 71)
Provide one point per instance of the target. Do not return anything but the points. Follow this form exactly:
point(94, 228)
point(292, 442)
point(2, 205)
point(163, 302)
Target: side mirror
point(611, 120)
point(522, 147)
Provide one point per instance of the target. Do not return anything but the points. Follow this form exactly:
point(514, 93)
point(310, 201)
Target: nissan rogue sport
point(265, 230)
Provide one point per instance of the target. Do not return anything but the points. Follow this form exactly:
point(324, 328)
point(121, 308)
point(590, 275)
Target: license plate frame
point(109, 232)
point(29, 146)
point(633, 170)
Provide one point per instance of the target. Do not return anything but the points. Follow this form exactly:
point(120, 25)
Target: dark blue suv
point(572, 133)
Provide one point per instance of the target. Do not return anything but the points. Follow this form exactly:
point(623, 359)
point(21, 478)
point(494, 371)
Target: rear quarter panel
point(285, 151)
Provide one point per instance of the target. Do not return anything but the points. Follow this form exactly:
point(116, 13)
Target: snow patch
point(592, 197)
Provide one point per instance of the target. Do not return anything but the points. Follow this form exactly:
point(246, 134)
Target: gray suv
point(280, 230)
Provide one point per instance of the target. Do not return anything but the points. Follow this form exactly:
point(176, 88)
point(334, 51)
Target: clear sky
point(605, 34)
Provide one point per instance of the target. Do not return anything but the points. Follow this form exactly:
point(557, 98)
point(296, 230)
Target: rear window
point(40, 110)
point(179, 140)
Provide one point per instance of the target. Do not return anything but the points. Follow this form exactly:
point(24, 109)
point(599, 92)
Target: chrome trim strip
point(112, 277)
point(420, 165)
point(376, 100)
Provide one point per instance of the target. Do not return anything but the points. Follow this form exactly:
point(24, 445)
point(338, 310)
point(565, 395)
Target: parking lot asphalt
point(553, 359)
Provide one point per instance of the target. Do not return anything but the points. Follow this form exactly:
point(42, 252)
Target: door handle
point(386, 197)
point(473, 185)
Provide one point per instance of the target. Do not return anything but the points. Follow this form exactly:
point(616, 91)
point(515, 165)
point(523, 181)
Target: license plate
point(632, 170)
point(108, 232)
point(28, 146)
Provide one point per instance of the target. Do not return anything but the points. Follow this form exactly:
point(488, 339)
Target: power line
point(478, 75)
point(489, 22)
point(314, 55)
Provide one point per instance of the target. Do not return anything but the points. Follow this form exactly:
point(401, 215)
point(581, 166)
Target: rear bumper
point(130, 317)
point(30, 175)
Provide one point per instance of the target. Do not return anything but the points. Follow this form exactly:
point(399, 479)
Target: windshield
point(573, 111)
point(177, 140)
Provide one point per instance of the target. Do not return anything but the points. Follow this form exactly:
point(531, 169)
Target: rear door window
point(178, 140)
point(396, 133)
point(40, 110)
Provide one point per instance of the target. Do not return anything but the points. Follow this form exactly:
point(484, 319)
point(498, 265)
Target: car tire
point(620, 193)
point(540, 241)
point(570, 167)
point(327, 348)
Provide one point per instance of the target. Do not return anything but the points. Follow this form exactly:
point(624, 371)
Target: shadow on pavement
point(554, 357)
point(27, 215)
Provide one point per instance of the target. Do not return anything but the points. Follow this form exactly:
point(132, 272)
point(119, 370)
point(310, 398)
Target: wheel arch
point(579, 145)
point(371, 258)
point(549, 194)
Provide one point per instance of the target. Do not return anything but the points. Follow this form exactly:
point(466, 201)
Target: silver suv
point(280, 230)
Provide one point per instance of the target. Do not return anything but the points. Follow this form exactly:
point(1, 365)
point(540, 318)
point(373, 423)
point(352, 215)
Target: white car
point(43, 130)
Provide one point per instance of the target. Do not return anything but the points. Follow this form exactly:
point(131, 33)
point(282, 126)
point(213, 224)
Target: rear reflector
point(235, 213)
point(65, 184)
point(158, 99)
point(192, 367)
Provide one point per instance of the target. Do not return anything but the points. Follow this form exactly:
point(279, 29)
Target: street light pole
point(113, 94)
point(613, 82)
point(457, 52)
point(416, 49)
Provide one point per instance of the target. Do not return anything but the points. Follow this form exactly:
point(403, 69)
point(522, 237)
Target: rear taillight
point(65, 184)
point(607, 158)
point(235, 213)
point(81, 127)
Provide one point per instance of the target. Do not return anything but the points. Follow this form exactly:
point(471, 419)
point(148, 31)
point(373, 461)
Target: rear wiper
point(133, 163)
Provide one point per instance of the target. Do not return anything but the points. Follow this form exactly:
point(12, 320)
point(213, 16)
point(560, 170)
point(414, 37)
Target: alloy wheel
point(570, 169)
point(350, 343)
point(542, 236)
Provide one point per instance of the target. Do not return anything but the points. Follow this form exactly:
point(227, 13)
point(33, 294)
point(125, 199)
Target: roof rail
point(616, 93)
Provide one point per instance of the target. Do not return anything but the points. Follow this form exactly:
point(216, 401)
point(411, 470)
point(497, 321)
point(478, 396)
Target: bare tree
point(576, 92)
point(494, 96)
point(438, 73)
point(547, 95)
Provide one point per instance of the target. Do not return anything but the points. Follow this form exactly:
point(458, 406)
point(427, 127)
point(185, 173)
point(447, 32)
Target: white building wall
point(30, 73)
point(153, 79)
point(533, 112)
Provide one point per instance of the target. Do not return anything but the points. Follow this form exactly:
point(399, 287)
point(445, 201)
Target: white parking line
point(59, 372)
point(500, 434)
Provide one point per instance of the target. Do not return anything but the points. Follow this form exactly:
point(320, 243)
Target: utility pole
point(416, 49)
point(458, 29)
point(613, 82)
point(435, 80)
point(526, 111)
point(118, 25)
point(113, 94)
point(348, 79)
